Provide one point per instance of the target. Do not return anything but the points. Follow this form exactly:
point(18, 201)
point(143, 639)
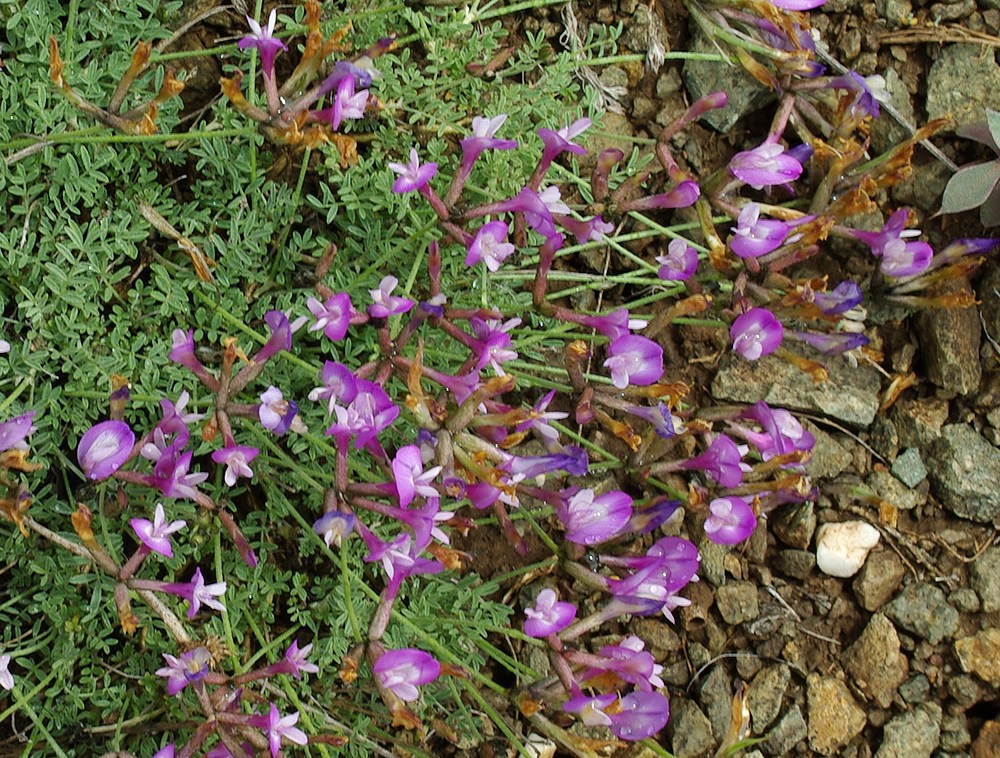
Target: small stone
point(737, 602)
point(834, 716)
point(952, 11)
point(716, 698)
point(964, 470)
point(909, 467)
point(643, 108)
point(984, 576)
point(914, 734)
point(918, 422)
point(668, 83)
point(614, 76)
point(965, 690)
point(965, 600)
point(950, 338)
point(875, 661)
point(765, 696)
point(829, 458)
point(892, 490)
point(692, 732)
point(916, 689)
point(795, 524)
point(923, 610)
point(886, 133)
point(841, 548)
point(884, 437)
point(963, 81)
point(787, 733)
point(955, 732)
point(879, 579)
point(980, 655)
point(795, 563)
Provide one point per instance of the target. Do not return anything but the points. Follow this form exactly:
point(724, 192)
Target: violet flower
point(333, 316)
point(493, 342)
point(572, 459)
point(721, 462)
point(732, 520)
point(612, 325)
point(182, 352)
point(549, 615)
point(334, 526)
point(280, 728)
point(782, 431)
point(592, 520)
point(171, 477)
point(764, 166)
point(629, 662)
point(556, 143)
point(413, 175)
point(402, 671)
point(280, 339)
point(664, 423)
point(634, 360)
point(295, 660)
point(483, 138)
point(6, 678)
point(339, 385)
point(640, 715)
point(490, 246)
point(104, 448)
point(539, 417)
point(900, 258)
point(384, 303)
point(797, 5)
point(679, 262)
point(190, 667)
point(155, 534)
point(840, 299)
point(590, 709)
point(275, 413)
point(15, 431)
point(365, 417)
point(830, 344)
point(756, 333)
point(263, 39)
point(174, 419)
point(755, 236)
point(868, 93)
point(410, 478)
point(196, 592)
point(347, 104)
point(237, 459)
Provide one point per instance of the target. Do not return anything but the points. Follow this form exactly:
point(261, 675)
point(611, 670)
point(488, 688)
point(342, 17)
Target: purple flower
point(4, 347)
point(664, 423)
point(483, 131)
point(237, 459)
point(384, 303)
point(170, 474)
point(402, 671)
point(572, 459)
point(591, 520)
point(634, 360)
point(782, 431)
point(732, 520)
point(721, 462)
point(831, 344)
point(333, 316)
point(412, 176)
point(276, 413)
point(679, 263)
point(756, 333)
point(197, 592)
point(6, 678)
point(867, 91)
point(410, 478)
point(334, 526)
point(14, 432)
point(280, 339)
point(155, 534)
point(797, 5)
point(612, 325)
point(175, 421)
point(764, 166)
point(900, 258)
point(590, 708)
point(549, 615)
point(556, 143)
point(640, 715)
point(296, 659)
point(339, 385)
point(347, 104)
point(490, 246)
point(368, 413)
point(539, 417)
point(192, 666)
point(182, 351)
point(280, 728)
point(266, 43)
point(167, 751)
point(493, 342)
point(755, 236)
point(840, 299)
point(104, 448)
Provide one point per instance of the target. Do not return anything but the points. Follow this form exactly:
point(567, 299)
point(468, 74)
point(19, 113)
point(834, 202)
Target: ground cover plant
point(317, 436)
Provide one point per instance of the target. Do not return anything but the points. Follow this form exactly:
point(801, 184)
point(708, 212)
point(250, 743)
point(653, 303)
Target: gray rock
point(924, 187)
point(916, 689)
point(909, 467)
point(875, 661)
point(737, 602)
point(918, 422)
point(711, 568)
point(923, 610)
point(896, 13)
point(716, 698)
point(668, 83)
point(984, 577)
point(795, 563)
point(834, 716)
point(884, 437)
point(890, 489)
point(952, 11)
point(964, 470)
point(980, 655)
point(787, 733)
point(914, 734)
point(829, 458)
point(795, 524)
point(950, 339)
point(765, 696)
point(955, 732)
point(987, 289)
point(692, 732)
point(851, 394)
point(965, 600)
point(746, 94)
point(964, 81)
point(879, 579)
point(642, 108)
point(965, 690)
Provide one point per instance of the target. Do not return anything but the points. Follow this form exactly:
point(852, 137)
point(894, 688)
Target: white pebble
point(841, 548)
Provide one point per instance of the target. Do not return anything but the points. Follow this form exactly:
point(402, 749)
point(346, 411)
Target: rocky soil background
point(901, 660)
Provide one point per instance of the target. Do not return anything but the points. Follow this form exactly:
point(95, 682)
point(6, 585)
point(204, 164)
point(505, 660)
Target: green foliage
point(976, 185)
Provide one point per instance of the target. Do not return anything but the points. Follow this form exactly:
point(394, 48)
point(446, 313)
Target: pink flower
point(155, 534)
point(384, 303)
point(411, 480)
point(634, 360)
point(280, 728)
point(732, 520)
point(591, 520)
point(14, 432)
point(490, 246)
point(754, 236)
point(756, 333)
point(679, 263)
point(549, 615)
point(413, 175)
point(334, 526)
point(237, 459)
point(266, 43)
point(347, 104)
point(764, 166)
point(402, 671)
point(104, 448)
point(333, 316)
